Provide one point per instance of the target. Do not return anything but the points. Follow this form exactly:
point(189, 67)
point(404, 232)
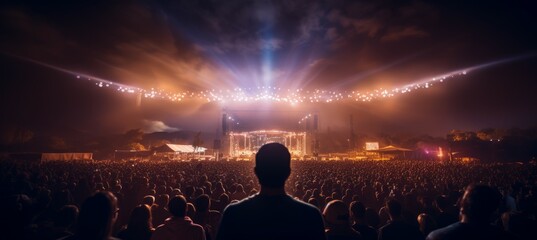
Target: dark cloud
point(398, 34)
point(200, 45)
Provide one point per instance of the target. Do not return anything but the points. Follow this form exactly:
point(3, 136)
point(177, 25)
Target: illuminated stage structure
point(244, 145)
point(301, 141)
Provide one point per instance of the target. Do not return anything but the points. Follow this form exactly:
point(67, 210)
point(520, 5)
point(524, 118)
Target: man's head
point(163, 200)
point(394, 208)
point(357, 210)
point(98, 215)
point(272, 165)
point(148, 200)
point(479, 203)
point(177, 206)
point(202, 203)
point(67, 216)
point(336, 213)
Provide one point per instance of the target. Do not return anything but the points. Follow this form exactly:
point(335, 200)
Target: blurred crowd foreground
point(259, 200)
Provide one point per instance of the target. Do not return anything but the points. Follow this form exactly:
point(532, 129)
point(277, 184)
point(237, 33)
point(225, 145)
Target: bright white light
point(276, 94)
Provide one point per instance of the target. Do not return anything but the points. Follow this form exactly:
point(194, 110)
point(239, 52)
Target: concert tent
point(66, 156)
point(178, 148)
point(133, 154)
point(178, 151)
point(390, 149)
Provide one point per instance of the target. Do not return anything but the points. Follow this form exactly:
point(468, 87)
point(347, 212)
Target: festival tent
point(178, 151)
point(178, 148)
point(132, 154)
point(390, 149)
point(66, 156)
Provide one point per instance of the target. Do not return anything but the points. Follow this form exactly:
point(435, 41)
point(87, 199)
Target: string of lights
point(275, 94)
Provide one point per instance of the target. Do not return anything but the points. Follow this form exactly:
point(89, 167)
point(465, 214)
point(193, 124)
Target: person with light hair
point(179, 226)
point(98, 214)
point(478, 204)
point(338, 222)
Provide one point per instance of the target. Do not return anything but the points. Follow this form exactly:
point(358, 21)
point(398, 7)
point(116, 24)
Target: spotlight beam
point(278, 95)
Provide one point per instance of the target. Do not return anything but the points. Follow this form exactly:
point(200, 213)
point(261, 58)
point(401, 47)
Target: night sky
point(333, 45)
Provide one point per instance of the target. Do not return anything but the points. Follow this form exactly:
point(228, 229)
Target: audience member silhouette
point(64, 220)
point(140, 226)
point(396, 228)
point(190, 210)
point(372, 218)
point(159, 211)
point(357, 210)
point(522, 223)
point(338, 222)
point(32, 194)
point(97, 216)
point(271, 214)
point(16, 216)
point(239, 193)
point(218, 190)
point(314, 202)
point(445, 215)
point(179, 226)
point(478, 204)
point(205, 217)
point(222, 202)
point(427, 223)
point(148, 200)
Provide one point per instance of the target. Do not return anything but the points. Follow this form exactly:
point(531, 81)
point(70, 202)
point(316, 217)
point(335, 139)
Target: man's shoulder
point(256, 199)
point(256, 203)
point(298, 204)
point(452, 231)
point(172, 223)
point(305, 209)
point(244, 203)
point(271, 217)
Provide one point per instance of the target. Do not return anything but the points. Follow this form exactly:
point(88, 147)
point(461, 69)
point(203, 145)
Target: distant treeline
point(489, 144)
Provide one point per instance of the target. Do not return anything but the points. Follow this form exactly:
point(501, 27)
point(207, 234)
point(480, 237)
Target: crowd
point(364, 199)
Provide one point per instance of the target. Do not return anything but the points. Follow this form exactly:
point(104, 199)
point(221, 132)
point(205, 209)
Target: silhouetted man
point(357, 210)
point(396, 228)
point(478, 204)
point(179, 226)
point(271, 214)
point(98, 215)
